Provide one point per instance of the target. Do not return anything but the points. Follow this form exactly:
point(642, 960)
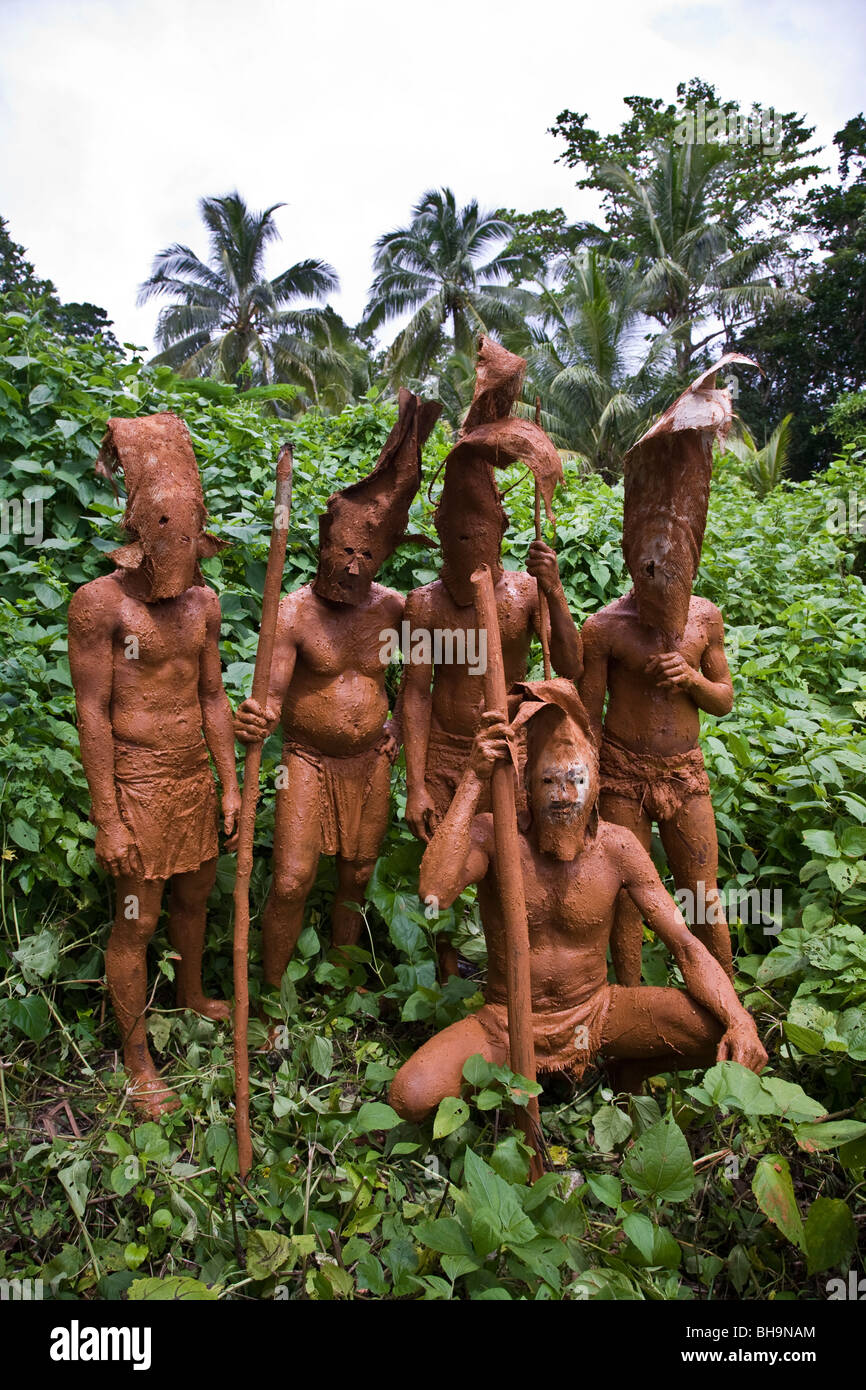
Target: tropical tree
point(227, 319)
point(440, 270)
point(695, 277)
point(764, 468)
point(591, 361)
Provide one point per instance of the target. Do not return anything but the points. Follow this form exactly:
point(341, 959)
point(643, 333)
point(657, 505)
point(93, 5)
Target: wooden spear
point(509, 874)
point(249, 798)
point(542, 597)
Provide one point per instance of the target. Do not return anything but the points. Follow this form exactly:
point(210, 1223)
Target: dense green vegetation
point(716, 1185)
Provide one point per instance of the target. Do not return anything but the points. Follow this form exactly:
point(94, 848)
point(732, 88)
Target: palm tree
point(597, 371)
point(765, 467)
point(697, 270)
point(435, 269)
point(228, 320)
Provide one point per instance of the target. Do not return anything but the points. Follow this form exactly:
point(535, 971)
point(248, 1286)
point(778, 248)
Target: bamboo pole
point(509, 874)
point(543, 616)
point(249, 799)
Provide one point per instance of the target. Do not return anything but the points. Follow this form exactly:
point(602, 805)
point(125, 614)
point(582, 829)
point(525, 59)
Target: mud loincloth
point(447, 760)
point(354, 795)
point(660, 784)
point(565, 1039)
point(168, 800)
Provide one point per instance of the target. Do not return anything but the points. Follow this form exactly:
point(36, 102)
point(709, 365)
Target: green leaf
point(774, 1193)
point(445, 1235)
point(611, 1128)
point(30, 1015)
point(268, 1254)
point(659, 1163)
point(75, 1180)
point(374, 1114)
point(486, 1189)
point(606, 1188)
point(641, 1232)
point(174, 1288)
point(38, 956)
point(821, 842)
point(452, 1113)
point(830, 1135)
point(320, 1052)
point(510, 1159)
point(830, 1234)
point(24, 835)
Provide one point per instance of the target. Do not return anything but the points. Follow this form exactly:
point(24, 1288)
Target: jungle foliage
point(716, 1185)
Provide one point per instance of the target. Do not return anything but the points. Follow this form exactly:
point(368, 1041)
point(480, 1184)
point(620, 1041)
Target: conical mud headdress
point(667, 493)
point(374, 512)
point(165, 510)
point(491, 437)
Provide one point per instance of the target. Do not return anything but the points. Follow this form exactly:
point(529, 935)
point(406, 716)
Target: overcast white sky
point(117, 115)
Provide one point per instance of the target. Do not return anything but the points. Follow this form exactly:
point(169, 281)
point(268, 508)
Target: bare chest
point(154, 634)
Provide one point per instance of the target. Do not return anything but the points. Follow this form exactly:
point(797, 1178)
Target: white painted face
point(562, 787)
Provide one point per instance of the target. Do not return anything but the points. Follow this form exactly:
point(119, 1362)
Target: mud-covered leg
point(692, 849)
point(626, 938)
point(187, 924)
point(138, 904)
point(297, 842)
point(436, 1069)
point(655, 1029)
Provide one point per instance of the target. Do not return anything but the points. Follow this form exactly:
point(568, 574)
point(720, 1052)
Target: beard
point(561, 833)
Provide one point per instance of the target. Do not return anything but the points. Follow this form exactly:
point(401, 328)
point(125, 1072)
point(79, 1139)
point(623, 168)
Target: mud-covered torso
point(336, 701)
point(156, 659)
point(569, 908)
point(641, 714)
point(458, 693)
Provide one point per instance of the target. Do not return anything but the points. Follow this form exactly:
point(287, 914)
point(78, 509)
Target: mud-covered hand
point(672, 671)
point(741, 1044)
point(421, 815)
point(389, 742)
point(494, 740)
point(231, 808)
point(542, 564)
point(117, 851)
point(252, 724)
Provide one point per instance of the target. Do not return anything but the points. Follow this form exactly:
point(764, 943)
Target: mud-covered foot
point(215, 1009)
point(151, 1096)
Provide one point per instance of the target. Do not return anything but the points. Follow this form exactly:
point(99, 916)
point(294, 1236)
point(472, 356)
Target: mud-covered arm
point(417, 714)
point(711, 688)
point(593, 684)
point(461, 849)
point(92, 622)
point(566, 656)
point(91, 665)
point(216, 714)
point(252, 723)
point(704, 978)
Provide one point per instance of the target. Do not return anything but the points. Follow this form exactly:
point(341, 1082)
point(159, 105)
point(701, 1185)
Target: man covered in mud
point(658, 654)
point(575, 866)
point(328, 690)
point(443, 700)
point(145, 664)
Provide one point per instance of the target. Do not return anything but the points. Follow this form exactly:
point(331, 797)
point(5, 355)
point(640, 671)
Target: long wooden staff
point(249, 798)
point(509, 873)
point(542, 597)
